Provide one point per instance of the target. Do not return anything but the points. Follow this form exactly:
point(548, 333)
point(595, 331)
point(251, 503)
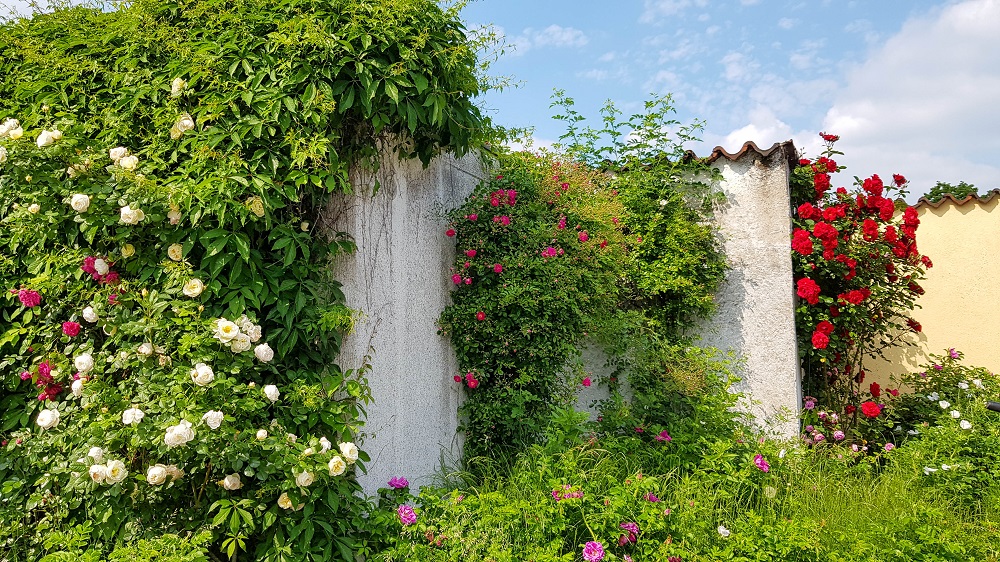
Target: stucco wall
point(961, 304)
point(395, 278)
point(756, 314)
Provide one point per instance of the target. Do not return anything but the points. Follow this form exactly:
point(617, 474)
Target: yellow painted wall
point(961, 306)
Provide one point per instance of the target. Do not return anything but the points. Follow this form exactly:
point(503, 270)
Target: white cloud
point(608, 57)
point(924, 104)
point(749, 2)
point(787, 23)
point(552, 36)
point(737, 66)
point(593, 74)
point(653, 10)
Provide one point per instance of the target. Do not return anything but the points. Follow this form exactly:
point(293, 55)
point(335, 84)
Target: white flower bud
point(129, 162)
point(118, 153)
point(261, 434)
point(175, 252)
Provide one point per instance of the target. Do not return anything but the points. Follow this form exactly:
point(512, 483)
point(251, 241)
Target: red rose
point(808, 289)
point(898, 180)
point(822, 183)
point(893, 391)
point(71, 329)
point(873, 186)
point(450, 232)
point(807, 211)
point(910, 217)
point(830, 138)
point(802, 242)
point(869, 229)
point(914, 325)
point(875, 389)
point(804, 162)
point(926, 261)
point(850, 409)
point(890, 234)
point(824, 327)
point(820, 340)
point(871, 409)
point(480, 316)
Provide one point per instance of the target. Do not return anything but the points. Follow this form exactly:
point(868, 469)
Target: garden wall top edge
point(981, 199)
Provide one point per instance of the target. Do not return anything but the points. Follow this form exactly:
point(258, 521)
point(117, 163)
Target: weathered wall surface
point(961, 304)
point(396, 279)
point(756, 308)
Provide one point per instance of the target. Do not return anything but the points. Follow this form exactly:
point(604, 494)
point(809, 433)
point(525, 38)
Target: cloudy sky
point(912, 86)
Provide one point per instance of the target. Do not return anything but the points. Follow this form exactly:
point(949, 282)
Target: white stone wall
point(399, 279)
point(756, 304)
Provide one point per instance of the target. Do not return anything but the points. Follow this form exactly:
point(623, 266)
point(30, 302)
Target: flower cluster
point(239, 336)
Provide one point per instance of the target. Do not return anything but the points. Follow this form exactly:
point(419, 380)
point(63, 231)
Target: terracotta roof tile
point(982, 199)
point(785, 149)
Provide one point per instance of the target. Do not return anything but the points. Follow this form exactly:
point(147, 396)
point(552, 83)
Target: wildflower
point(406, 515)
point(593, 551)
point(761, 463)
point(888, 447)
point(651, 497)
point(955, 414)
point(663, 436)
point(723, 531)
point(944, 404)
point(928, 470)
point(963, 385)
point(583, 236)
point(965, 424)
point(398, 482)
point(586, 381)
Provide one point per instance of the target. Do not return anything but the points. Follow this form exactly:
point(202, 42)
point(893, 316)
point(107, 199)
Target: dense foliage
point(959, 191)
point(169, 327)
point(857, 274)
point(728, 493)
point(565, 248)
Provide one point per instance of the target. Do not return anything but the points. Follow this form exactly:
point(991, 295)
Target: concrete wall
point(397, 278)
point(961, 305)
point(756, 307)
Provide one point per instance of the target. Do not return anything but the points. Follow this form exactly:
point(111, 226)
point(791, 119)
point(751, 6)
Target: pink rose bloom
point(71, 329)
point(470, 253)
point(583, 236)
point(838, 435)
point(593, 552)
point(761, 463)
point(497, 268)
point(406, 515)
point(664, 436)
point(398, 482)
point(29, 298)
point(586, 381)
point(457, 279)
point(473, 217)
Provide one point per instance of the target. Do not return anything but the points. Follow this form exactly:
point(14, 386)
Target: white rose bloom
point(231, 482)
point(928, 470)
point(271, 392)
point(77, 388)
point(304, 479)
point(965, 424)
point(325, 444)
point(244, 323)
point(98, 473)
point(132, 416)
point(177, 87)
point(264, 353)
point(128, 251)
point(202, 374)
point(944, 404)
point(101, 266)
point(933, 396)
point(116, 472)
point(47, 419)
point(193, 288)
point(956, 414)
point(174, 216)
point(225, 330)
point(261, 434)
point(175, 252)
point(131, 216)
point(83, 362)
point(145, 349)
point(254, 332)
point(309, 451)
point(337, 466)
point(723, 531)
point(963, 385)
point(16, 133)
point(292, 438)
point(284, 502)
point(179, 434)
point(118, 153)
point(34, 208)
point(350, 451)
point(185, 123)
point(56, 135)
point(174, 473)
point(80, 202)
point(7, 126)
point(96, 453)
point(156, 475)
point(978, 383)
point(45, 138)
point(89, 315)
point(213, 419)
point(3, 155)
point(240, 343)
point(129, 162)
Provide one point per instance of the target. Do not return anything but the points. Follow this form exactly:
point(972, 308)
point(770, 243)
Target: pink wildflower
point(583, 236)
point(593, 552)
point(406, 515)
point(29, 298)
point(664, 436)
point(586, 381)
point(398, 482)
point(761, 463)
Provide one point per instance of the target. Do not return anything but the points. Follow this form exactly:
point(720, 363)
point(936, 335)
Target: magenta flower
point(473, 217)
point(71, 329)
point(398, 482)
point(480, 316)
point(953, 353)
point(593, 552)
point(44, 370)
point(25, 375)
point(457, 279)
point(938, 367)
point(406, 515)
point(664, 437)
point(761, 463)
point(586, 381)
point(651, 497)
point(562, 223)
point(450, 232)
point(810, 404)
point(838, 435)
point(549, 252)
point(889, 446)
point(470, 253)
point(497, 268)
point(29, 298)
point(583, 236)
point(113, 298)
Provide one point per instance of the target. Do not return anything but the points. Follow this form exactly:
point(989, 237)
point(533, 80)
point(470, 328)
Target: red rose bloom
point(802, 242)
point(807, 211)
point(71, 329)
point(804, 162)
point(914, 325)
point(871, 409)
point(830, 138)
point(824, 327)
point(820, 340)
point(850, 409)
point(450, 232)
point(869, 229)
point(480, 316)
point(873, 186)
point(898, 180)
point(808, 289)
point(822, 183)
point(875, 389)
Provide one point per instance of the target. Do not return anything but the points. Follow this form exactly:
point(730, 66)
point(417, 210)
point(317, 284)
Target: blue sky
point(911, 86)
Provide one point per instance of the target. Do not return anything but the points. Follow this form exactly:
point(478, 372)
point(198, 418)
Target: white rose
point(83, 362)
point(350, 451)
point(231, 482)
point(174, 216)
point(145, 349)
point(3, 154)
point(193, 288)
point(309, 451)
point(254, 332)
point(45, 138)
point(98, 473)
point(179, 434)
point(156, 475)
point(944, 404)
point(129, 162)
point(956, 414)
point(964, 424)
point(16, 133)
point(271, 392)
point(723, 531)
point(325, 444)
point(202, 374)
point(174, 473)
point(177, 87)
point(56, 135)
point(7, 126)
point(116, 472)
point(128, 251)
point(185, 123)
point(96, 453)
point(264, 353)
point(284, 502)
point(261, 434)
point(225, 330)
point(337, 466)
point(978, 383)
point(175, 252)
point(101, 266)
point(304, 479)
point(89, 315)
point(80, 202)
point(963, 385)
point(47, 419)
point(77, 388)
point(213, 418)
point(34, 208)
point(240, 343)
point(132, 416)
point(304, 226)
point(131, 216)
point(118, 153)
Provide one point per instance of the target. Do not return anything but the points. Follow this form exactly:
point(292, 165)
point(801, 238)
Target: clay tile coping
point(786, 149)
point(982, 199)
